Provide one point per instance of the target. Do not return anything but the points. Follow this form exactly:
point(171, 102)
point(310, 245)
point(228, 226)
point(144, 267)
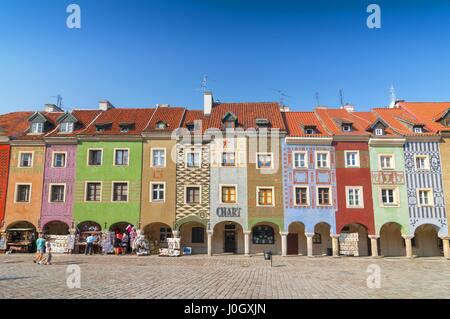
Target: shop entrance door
point(292, 244)
point(230, 239)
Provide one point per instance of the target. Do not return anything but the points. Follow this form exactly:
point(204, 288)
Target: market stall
point(84, 230)
point(20, 240)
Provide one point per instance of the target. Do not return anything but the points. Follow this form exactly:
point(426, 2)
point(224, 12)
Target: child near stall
point(47, 260)
point(124, 243)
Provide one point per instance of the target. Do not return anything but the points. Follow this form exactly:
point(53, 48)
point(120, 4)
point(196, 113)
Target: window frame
point(427, 162)
point(152, 157)
point(151, 200)
point(328, 166)
point(86, 191)
point(112, 191)
point(430, 197)
point(396, 197)
point(199, 197)
point(222, 157)
point(361, 197)
point(88, 156)
point(40, 125)
point(19, 161)
point(235, 186)
point(258, 188)
point(306, 159)
point(330, 195)
point(380, 165)
point(308, 200)
point(199, 152)
point(271, 160)
point(357, 160)
point(54, 156)
point(115, 150)
point(16, 192)
point(379, 130)
point(50, 186)
point(71, 127)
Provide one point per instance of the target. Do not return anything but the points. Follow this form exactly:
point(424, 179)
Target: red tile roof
point(296, 120)
point(116, 116)
point(369, 118)
point(428, 112)
point(191, 116)
point(84, 117)
point(15, 124)
point(171, 116)
point(394, 117)
point(247, 113)
point(331, 119)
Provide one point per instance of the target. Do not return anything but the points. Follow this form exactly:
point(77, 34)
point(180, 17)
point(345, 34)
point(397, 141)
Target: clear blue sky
point(139, 53)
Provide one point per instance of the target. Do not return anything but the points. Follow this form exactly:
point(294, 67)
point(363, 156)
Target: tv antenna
point(59, 100)
point(341, 96)
point(204, 83)
point(317, 99)
point(282, 96)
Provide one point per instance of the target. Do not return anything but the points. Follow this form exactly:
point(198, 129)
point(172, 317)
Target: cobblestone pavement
point(223, 277)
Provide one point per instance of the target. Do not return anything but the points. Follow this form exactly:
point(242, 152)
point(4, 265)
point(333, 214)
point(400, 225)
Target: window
point(352, 159)
point(301, 195)
point(193, 159)
point(386, 162)
point(164, 233)
point(346, 128)
point(26, 160)
point(422, 163)
point(425, 197)
point(93, 192)
point(95, 157)
point(379, 132)
point(37, 128)
point(228, 194)
point(228, 159)
point(229, 124)
point(317, 238)
point(23, 193)
point(59, 160)
point(158, 157)
point(264, 160)
point(322, 159)
point(263, 235)
point(161, 125)
point(121, 157)
point(388, 197)
point(265, 196)
point(418, 129)
point(120, 192)
point(310, 131)
point(66, 127)
point(192, 195)
point(323, 196)
point(300, 160)
point(354, 197)
point(57, 193)
point(198, 235)
point(158, 192)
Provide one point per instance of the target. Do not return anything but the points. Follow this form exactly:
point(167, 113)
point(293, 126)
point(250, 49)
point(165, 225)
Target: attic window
point(66, 127)
point(418, 129)
point(126, 127)
point(309, 130)
point(379, 132)
point(102, 127)
point(346, 127)
point(161, 125)
point(37, 128)
point(190, 127)
point(229, 124)
point(262, 122)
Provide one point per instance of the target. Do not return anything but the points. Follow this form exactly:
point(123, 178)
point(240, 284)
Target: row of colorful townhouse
point(234, 177)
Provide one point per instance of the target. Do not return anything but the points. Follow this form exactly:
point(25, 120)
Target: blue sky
point(137, 53)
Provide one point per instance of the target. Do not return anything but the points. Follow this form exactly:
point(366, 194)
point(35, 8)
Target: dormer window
point(229, 124)
point(379, 132)
point(161, 125)
point(229, 120)
point(37, 128)
point(418, 129)
point(262, 123)
point(190, 127)
point(126, 127)
point(346, 128)
point(66, 127)
point(102, 127)
point(309, 130)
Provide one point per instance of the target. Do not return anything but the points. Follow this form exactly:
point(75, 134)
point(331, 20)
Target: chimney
point(163, 105)
point(105, 105)
point(208, 102)
point(349, 107)
point(49, 108)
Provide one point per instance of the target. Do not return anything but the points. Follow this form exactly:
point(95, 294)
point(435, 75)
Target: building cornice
point(109, 138)
point(309, 140)
point(26, 143)
point(430, 138)
point(351, 138)
point(61, 140)
point(387, 141)
point(4, 140)
point(157, 135)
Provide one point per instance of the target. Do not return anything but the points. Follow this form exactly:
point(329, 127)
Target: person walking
point(125, 243)
point(90, 244)
point(47, 260)
point(117, 243)
point(40, 249)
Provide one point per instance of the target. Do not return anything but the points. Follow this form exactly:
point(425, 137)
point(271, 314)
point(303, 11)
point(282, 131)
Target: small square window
point(121, 157)
point(57, 193)
point(228, 159)
point(158, 192)
point(23, 193)
point(346, 128)
point(379, 132)
point(264, 161)
point(59, 160)
point(120, 192)
point(37, 128)
point(193, 159)
point(228, 194)
point(66, 127)
point(265, 196)
point(192, 195)
point(300, 159)
point(95, 157)
point(26, 160)
point(352, 159)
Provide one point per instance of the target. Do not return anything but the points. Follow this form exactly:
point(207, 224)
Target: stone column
point(176, 233)
point(309, 244)
point(335, 245)
point(408, 245)
point(374, 245)
point(283, 243)
point(446, 244)
point(247, 242)
point(210, 234)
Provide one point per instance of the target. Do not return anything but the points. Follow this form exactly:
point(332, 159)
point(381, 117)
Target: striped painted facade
point(425, 179)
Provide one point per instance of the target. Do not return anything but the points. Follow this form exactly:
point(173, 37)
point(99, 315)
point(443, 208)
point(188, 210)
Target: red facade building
point(4, 170)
